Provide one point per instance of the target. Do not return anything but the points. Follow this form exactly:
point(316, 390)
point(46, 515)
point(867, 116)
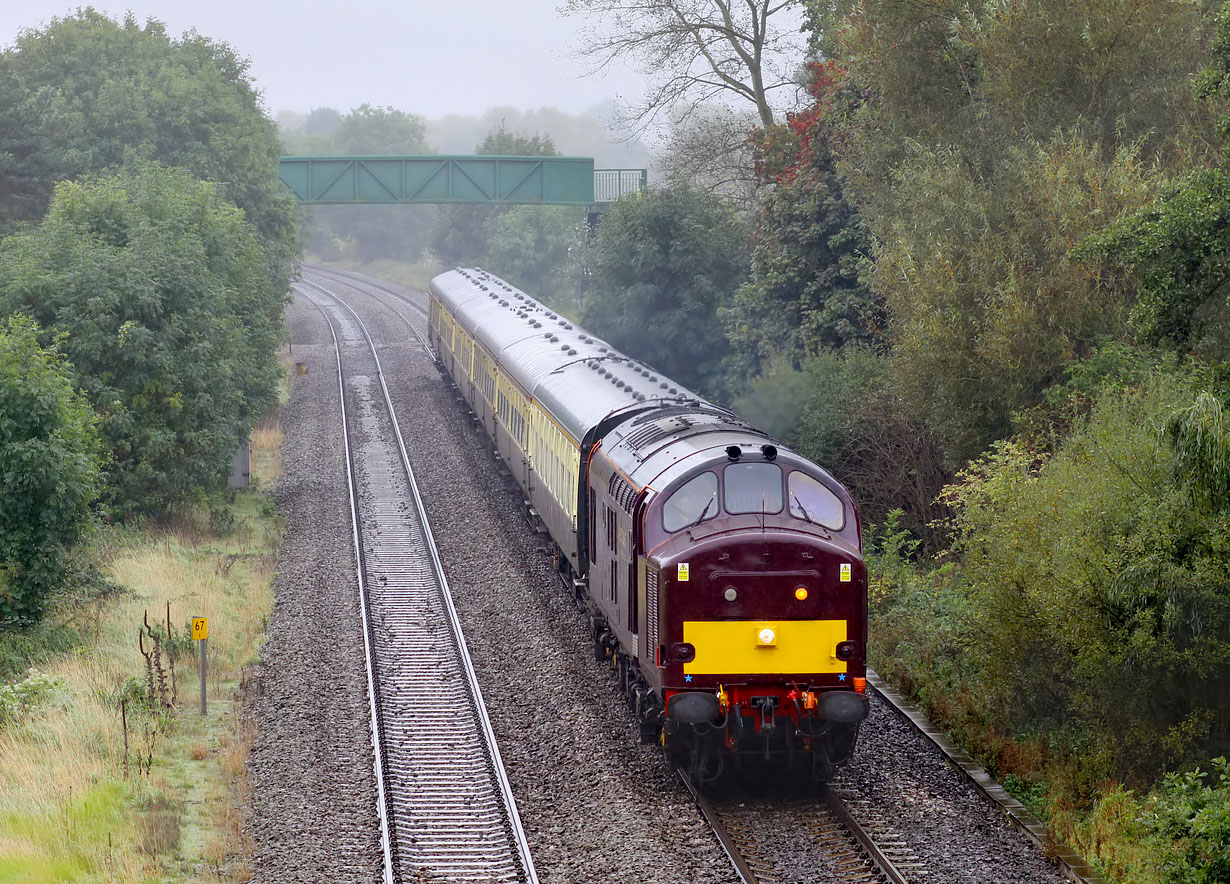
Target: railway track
point(370, 286)
point(446, 808)
point(827, 839)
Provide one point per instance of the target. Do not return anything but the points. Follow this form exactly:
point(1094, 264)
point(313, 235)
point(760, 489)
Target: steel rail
point(355, 281)
point(725, 839)
point(877, 856)
point(493, 762)
point(382, 807)
point(853, 845)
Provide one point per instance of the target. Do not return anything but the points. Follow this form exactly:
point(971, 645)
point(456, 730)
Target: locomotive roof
point(655, 449)
point(577, 378)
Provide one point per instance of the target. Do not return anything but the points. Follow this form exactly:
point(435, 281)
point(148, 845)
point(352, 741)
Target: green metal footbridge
point(471, 180)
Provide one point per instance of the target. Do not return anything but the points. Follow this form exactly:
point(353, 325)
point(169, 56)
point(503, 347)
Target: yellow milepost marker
point(200, 632)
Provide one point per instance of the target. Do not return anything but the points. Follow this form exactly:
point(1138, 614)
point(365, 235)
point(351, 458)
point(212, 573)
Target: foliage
point(1099, 581)
point(171, 323)
point(462, 235)
point(20, 697)
point(379, 130)
point(1178, 250)
point(87, 94)
point(984, 141)
point(49, 471)
point(985, 309)
point(711, 147)
point(535, 248)
point(805, 294)
point(1193, 813)
point(855, 424)
point(1178, 247)
point(662, 265)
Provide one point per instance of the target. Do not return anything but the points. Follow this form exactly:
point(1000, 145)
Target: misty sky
point(430, 57)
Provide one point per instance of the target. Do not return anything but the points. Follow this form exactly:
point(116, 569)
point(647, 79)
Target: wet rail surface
point(446, 807)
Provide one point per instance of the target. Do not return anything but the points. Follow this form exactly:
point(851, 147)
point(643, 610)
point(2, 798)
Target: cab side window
point(813, 502)
point(695, 501)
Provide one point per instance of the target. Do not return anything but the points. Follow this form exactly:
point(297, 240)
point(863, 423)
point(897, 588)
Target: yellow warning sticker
point(683, 572)
point(200, 628)
point(845, 573)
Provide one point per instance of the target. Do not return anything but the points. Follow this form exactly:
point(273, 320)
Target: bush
point(1097, 577)
point(1192, 813)
point(664, 264)
point(840, 410)
point(171, 320)
point(48, 469)
point(20, 697)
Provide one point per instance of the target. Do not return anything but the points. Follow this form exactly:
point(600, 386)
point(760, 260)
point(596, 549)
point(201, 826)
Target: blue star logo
point(841, 677)
point(689, 678)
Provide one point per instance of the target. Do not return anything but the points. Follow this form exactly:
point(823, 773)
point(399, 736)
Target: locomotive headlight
point(767, 637)
point(730, 594)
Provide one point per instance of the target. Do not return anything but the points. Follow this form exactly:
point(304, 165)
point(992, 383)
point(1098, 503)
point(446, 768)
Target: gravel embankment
point(958, 836)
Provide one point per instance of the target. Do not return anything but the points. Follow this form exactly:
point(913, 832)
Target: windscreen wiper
point(702, 515)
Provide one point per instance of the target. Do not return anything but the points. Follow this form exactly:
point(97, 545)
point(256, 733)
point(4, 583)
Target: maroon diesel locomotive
point(721, 573)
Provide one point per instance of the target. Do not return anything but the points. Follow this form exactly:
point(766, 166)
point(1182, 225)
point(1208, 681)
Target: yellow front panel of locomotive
point(764, 647)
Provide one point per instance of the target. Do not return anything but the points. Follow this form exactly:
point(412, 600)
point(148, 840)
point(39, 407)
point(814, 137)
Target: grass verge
point(108, 770)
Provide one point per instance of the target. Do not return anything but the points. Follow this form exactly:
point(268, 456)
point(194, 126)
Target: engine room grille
point(651, 608)
point(638, 439)
point(622, 492)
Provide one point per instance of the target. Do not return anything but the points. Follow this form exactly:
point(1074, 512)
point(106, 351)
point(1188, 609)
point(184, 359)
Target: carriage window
point(694, 502)
point(812, 501)
point(753, 488)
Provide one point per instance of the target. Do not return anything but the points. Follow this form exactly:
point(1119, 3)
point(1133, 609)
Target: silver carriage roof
point(577, 378)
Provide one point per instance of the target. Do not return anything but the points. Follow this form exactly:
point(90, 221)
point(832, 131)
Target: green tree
point(985, 308)
point(170, 318)
point(1179, 248)
point(462, 235)
point(49, 471)
point(370, 232)
point(987, 140)
point(805, 294)
point(535, 248)
point(1098, 577)
point(1192, 812)
point(663, 264)
point(87, 94)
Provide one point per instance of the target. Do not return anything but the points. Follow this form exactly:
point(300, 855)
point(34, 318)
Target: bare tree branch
point(696, 50)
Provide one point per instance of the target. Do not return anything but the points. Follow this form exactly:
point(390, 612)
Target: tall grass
point(73, 807)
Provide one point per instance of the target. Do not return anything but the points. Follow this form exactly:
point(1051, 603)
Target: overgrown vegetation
point(159, 290)
point(664, 266)
point(150, 791)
